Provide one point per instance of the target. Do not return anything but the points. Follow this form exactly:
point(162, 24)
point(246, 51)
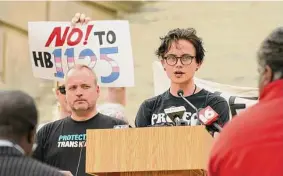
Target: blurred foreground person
point(18, 120)
point(252, 144)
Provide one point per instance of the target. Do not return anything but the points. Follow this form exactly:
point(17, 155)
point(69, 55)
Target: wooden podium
point(152, 151)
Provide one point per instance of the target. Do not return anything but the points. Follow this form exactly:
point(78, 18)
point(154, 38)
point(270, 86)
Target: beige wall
point(1, 54)
point(231, 32)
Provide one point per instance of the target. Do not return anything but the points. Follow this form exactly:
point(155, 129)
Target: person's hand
point(66, 173)
point(79, 18)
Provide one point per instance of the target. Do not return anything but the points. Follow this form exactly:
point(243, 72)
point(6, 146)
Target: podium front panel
point(147, 149)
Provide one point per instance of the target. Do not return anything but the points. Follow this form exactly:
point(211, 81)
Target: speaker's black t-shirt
point(61, 142)
point(151, 111)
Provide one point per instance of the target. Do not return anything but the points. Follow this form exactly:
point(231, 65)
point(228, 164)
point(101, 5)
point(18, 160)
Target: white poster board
point(104, 46)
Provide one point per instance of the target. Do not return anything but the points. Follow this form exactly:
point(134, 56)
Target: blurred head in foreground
point(18, 119)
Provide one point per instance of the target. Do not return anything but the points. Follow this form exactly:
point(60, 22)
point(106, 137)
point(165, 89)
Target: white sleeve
point(113, 110)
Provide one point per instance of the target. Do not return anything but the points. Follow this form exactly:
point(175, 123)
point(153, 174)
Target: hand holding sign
point(104, 46)
point(79, 18)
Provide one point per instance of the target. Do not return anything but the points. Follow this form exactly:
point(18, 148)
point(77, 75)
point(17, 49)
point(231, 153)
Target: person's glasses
point(185, 59)
point(62, 90)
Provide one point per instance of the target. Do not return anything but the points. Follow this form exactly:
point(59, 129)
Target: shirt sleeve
point(221, 156)
point(236, 152)
point(224, 162)
point(113, 110)
point(40, 140)
point(144, 115)
point(214, 163)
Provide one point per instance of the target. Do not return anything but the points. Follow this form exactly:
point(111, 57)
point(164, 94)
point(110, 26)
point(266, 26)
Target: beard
point(81, 106)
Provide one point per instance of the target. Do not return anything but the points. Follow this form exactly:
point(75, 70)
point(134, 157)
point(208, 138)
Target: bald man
point(62, 143)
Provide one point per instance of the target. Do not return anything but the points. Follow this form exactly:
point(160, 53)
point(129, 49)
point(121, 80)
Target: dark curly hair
point(188, 34)
point(18, 114)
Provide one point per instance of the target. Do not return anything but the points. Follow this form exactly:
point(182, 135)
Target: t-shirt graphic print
point(152, 111)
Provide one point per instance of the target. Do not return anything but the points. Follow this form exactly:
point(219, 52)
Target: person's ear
point(98, 89)
point(267, 75)
point(198, 65)
point(57, 92)
point(163, 64)
point(30, 137)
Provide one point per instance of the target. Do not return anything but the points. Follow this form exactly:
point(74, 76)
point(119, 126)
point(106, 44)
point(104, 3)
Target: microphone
point(121, 126)
point(176, 114)
point(181, 94)
point(208, 116)
point(161, 125)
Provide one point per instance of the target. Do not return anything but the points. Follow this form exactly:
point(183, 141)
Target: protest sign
point(104, 46)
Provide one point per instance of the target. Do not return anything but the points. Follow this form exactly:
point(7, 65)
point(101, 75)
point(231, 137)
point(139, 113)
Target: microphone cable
point(79, 162)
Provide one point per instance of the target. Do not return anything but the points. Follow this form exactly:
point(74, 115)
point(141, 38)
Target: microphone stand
point(181, 94)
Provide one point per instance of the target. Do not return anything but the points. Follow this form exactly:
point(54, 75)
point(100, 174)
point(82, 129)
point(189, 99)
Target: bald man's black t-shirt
point(61, 143)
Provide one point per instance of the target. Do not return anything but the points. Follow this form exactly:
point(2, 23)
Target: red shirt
point(252, 144)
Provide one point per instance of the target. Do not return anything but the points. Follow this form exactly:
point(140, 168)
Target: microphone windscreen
point(180, 92)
